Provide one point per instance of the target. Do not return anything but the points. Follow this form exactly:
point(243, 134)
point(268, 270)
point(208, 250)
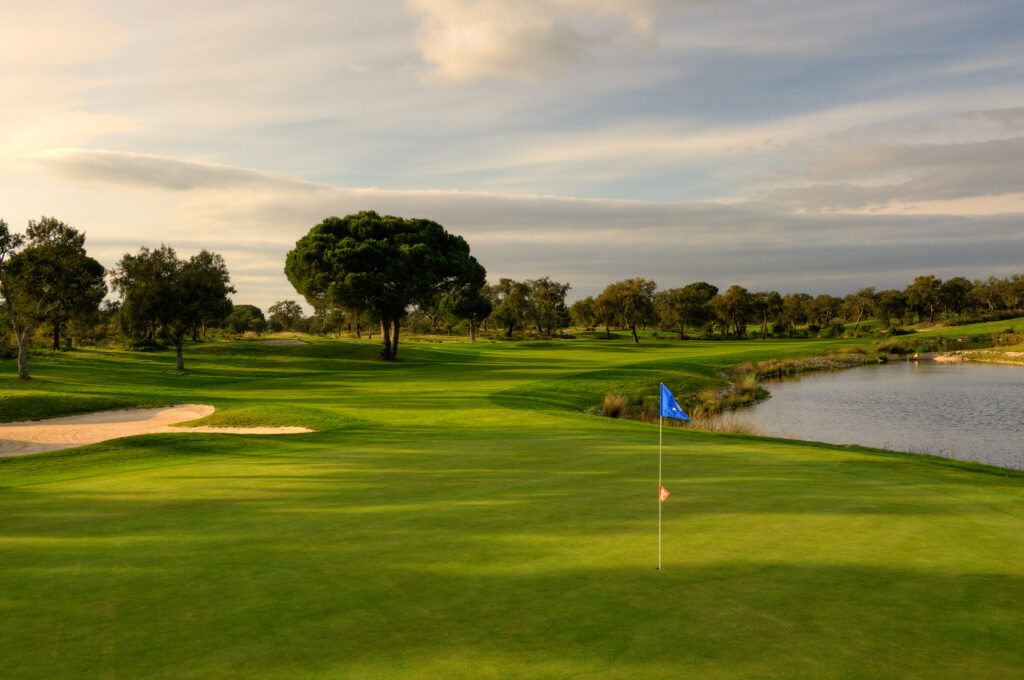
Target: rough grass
point(460, 514)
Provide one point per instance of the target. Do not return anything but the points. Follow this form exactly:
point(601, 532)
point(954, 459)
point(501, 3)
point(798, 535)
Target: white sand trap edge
point(37, 436)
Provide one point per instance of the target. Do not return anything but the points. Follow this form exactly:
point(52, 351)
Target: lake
point(964, 411)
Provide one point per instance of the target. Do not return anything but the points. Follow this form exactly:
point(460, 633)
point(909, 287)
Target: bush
point(836, 330)
point(813, 328)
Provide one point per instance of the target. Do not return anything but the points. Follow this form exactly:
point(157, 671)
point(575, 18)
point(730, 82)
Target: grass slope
point(458, 514)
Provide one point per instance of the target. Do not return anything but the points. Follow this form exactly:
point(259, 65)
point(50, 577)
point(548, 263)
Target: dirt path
point(37, 436)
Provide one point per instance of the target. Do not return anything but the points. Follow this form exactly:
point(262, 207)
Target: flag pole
point(661, 419)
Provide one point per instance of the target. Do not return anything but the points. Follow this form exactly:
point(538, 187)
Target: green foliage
point(679, 308)
point(546, 304)
point(245, 319)
point(285, 315)
point(510, 301)
point(166, 297)
point(50, 280)
point(381, 264)
point(628, 303)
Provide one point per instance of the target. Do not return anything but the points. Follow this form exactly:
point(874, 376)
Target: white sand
point(37, 436)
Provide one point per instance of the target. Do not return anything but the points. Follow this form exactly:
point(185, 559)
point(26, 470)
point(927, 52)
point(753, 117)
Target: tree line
point(368, 271)
point(47, 280)
point(700, 308)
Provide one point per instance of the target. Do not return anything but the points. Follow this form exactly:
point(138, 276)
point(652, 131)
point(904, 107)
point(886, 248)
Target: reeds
point(728, 424)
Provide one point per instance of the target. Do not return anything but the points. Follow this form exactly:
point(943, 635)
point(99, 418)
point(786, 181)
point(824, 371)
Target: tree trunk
point(195, 332)
point(56, 335)
point(682, 331)
point(23, 336)
point(181, 358)
point(394, 342)
point(359, 331)
point(472, 330)
point(608, 332)
point(859, 316)
point(636, 340)
point(508, 330)
point(385, 334)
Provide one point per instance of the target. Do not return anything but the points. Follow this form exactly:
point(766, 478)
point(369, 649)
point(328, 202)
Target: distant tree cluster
point(699, 307)
point(537, 303)
point(48, 283)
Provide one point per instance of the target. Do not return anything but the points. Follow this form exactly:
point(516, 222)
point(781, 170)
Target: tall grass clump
point(615, 406)
point(728, 424)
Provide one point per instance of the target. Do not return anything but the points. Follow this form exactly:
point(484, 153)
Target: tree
point(822, 309)
point(285, 315)
point(794, 310)
point(767, 306)
point(890, 304)
point(605, 313)
point(582, 313)
point(163, 295)
point(681, 307)
point(988, 293)
point(630, 303)
point(206, 280)
point(735, 307)
point(923, 296)
point(547, 304)
point(382, 264)
point(955, 295)
point(245, 318)
point(470, 303)
point(856, 305)
point(511, 304)
point(50, 280)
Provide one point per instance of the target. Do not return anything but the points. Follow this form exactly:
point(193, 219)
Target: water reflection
point(963, 411)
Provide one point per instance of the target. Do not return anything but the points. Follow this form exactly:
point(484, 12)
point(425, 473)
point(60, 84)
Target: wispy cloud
point(254, 218)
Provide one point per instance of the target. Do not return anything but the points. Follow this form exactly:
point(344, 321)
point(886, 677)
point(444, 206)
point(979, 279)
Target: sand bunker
point(37, 436)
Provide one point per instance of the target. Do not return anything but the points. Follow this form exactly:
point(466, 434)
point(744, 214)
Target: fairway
point(460, 514)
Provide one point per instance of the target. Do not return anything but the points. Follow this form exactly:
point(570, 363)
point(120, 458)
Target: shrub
point(836, 330)
point(615, 406)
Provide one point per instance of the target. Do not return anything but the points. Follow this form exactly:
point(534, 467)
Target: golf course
point(463, 512)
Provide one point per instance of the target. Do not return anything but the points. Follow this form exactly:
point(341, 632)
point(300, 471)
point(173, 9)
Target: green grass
point(459, 514)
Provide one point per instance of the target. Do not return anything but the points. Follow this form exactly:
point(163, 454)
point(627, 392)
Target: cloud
point(470, 40)
point(254, 218)
point(147, 170)
point(40, 46)
point(882, 174)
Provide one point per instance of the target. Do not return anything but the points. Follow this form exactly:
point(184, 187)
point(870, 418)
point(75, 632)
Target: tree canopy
point(166, 296)
point(629, 302)
point(51, 279)
point(382, 264)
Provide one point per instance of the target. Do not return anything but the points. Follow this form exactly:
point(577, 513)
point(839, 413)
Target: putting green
point(459, 514)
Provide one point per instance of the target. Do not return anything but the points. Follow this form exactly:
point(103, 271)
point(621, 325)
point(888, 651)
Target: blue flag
point(669, 407)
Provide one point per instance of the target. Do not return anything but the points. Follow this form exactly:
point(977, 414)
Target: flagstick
point(660, 421)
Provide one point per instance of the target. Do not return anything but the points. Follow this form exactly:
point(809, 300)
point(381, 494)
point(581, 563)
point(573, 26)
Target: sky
point(797, 145)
